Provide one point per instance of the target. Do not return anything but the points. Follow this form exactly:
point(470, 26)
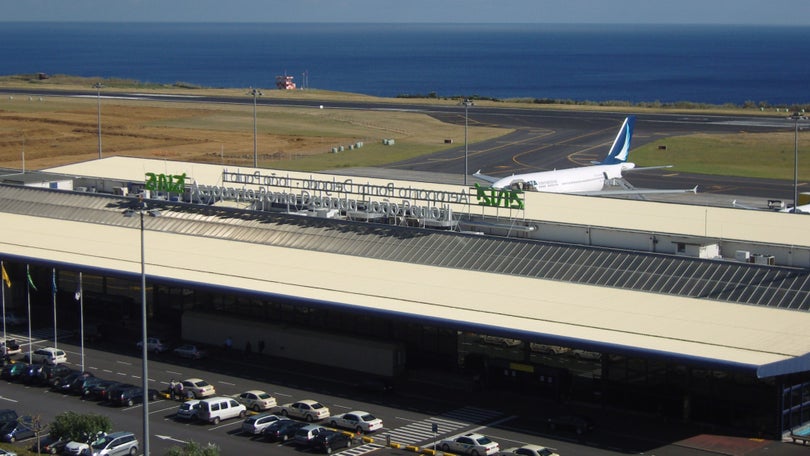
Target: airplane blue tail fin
point(620, 150)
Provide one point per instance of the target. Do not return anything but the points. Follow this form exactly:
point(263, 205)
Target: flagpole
point(53, 289)
point(5, 340)
point(28, 295)
point(81, 316)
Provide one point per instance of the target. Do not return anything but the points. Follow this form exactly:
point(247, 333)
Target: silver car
point(187, 410)
point(255, 424)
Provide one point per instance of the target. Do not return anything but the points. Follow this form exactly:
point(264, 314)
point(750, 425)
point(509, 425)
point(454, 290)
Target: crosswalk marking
point(422, 431)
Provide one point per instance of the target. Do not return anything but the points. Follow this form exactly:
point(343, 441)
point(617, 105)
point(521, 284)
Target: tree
point(194, 449)
point(80, 428)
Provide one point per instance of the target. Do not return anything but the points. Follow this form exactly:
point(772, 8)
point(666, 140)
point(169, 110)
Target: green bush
point(194, 449)
point(74, 426)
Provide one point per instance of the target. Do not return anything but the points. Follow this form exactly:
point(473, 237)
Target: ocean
point(666, 63)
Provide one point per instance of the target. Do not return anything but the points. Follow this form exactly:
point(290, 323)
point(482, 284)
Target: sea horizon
point(728, 64)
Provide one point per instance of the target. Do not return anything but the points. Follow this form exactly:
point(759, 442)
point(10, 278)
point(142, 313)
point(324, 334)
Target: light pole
point(98, 86)
point(140, 208)
point(256, 93)
point(467, 103)
point(796, 116)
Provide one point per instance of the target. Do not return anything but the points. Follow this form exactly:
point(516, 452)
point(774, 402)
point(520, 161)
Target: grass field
point(58, 130)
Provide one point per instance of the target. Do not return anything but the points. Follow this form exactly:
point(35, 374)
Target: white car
point(307, 409)
point(548, 349)
point(10, 347)
point(358, 421)
point(528, 450)
point(471, 444)
point(187, 410)
point(48, 355)
point(257, 400)
point(197, 388)
point(256, 424)
point(585, 354)
point(153, 344)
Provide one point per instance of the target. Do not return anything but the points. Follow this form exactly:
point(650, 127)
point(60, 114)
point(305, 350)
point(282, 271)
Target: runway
point(543, 139)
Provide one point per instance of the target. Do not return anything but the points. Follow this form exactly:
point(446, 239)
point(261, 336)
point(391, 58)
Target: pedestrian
point(261, 346)
point(179, 391)
point(228, 343)
point(172, 388)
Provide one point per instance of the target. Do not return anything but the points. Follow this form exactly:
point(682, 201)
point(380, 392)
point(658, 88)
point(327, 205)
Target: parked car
point(32, 374)
point(197, 388)
point(7, 415)
point(81, 383)
point(153, 344)
point(188, 410)
point(282, 430)
point(216, 409)
point(528, 450)
point(305, 435)
point(49, 355)
point(190, 351)
point(10, 347)
point(307, 409)
point(257, 400)
point(255, 425)
point(100, 391)
point(500, 341)
point(573, 423)
point(585, 354)
point(548, 349)
point(328, 441)
point(116, 443)
point(471, 444)
point(114, 391)
point(7, 453)
point(57, 372)
point(360, 422)
point(132, 396)
point(13, 371)
point(49, 444)
point(20, 429)
point(82, 447)
point(63, 384)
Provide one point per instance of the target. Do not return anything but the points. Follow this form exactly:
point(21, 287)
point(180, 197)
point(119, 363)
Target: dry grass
point(54, 131)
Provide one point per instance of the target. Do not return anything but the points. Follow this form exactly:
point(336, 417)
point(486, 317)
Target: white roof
point(759, 337)
point(770, 340)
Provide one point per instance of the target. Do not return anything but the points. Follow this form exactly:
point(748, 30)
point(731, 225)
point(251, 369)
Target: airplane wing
point(489, 179)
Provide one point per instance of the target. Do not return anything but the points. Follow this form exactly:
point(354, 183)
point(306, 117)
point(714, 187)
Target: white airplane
point(588, 180)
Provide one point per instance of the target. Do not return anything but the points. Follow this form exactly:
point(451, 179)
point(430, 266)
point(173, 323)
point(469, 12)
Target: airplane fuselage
point(572, 180)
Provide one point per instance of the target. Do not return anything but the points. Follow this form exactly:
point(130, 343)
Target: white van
point(48, 355)
point(215, 409)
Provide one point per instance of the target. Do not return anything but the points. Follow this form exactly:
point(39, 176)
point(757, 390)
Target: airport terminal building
point(694, 312)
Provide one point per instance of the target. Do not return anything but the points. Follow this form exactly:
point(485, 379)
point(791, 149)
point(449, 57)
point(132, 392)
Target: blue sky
point(770, 12)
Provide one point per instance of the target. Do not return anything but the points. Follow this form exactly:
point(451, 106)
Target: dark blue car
point(20, 429)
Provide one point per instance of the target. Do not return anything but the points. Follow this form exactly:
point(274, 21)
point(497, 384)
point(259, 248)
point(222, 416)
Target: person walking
point(179, 392)
point(172, 388)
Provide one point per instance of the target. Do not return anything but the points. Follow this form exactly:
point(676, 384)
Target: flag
point(53, 281)
point(31, 281)
point(78, 295)
point(5, 276)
